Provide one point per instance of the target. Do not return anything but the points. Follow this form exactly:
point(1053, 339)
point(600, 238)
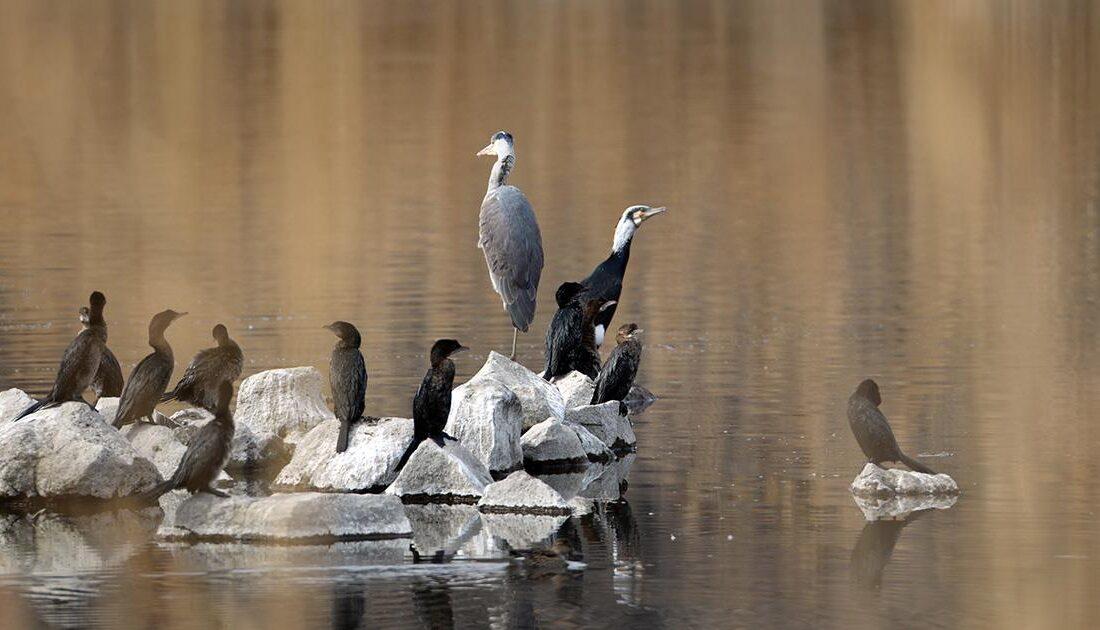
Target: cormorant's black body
point(206, 454)
point(348, 375)
point(151, 376)
point(207, 371)
point(873, 432)
point(432, 403)
point(571, 338)
point(108, 380)
point(80, 362)
point(617, 376)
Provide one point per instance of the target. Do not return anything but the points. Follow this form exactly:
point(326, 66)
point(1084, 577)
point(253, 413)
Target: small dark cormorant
point(617, 375)
point(108, 378)
point(206, 454)
point(348, 375)
point(432, 403)
point(151, 376)
point(509, 236)
point(606, 280)
point(206, 372)
point(571, 338)
point(80, 362)
point(873, 432)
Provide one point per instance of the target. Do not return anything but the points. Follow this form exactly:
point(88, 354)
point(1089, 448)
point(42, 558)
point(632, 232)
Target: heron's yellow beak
point(488, 150)
point(652, 212)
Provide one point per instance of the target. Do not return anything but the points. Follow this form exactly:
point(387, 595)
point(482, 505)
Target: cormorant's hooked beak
point(488, 150)
point(460, 349)
point(652, 212)
point(607, 305)
point(179, 315)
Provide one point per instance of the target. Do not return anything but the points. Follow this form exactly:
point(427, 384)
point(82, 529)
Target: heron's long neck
point(500, 171)
point(624, 233)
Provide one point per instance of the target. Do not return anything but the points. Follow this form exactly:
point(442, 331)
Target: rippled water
point(903, 190)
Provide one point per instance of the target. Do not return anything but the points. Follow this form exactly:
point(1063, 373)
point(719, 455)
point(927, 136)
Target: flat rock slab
point(539, 399)
point(12, 403)
point(287, 402)
point(375, 446)
point(521, 493)
point(305, 517)
point(447, 474)
point(900, 507)
point(606, 422)
point(69, 452)
point(576, 389)
point(488, 419)
point(874, 481)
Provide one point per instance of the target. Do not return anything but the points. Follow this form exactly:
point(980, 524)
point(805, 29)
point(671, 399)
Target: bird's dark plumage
point(617, 376)
point(570, 339)
point(108, 380)
point(432, 403)
point(873, 432)
point(151, 376)
point(206, 372)
point(80, 362)
point(206, 454)
point(348, 375)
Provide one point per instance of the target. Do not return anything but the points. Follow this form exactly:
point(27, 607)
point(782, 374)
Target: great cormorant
point(873, 432)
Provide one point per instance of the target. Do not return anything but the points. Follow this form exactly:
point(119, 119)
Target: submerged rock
point(901, 506)
point(488, 419)
point(375, 446)
point(12, 403)
point(540, 400)
point(874, 481)
point(69, 452)
point(576, 389)
point(552, 445)
point(297, 517)
point(607, 423)
point(287, 402)
point(447, 474)
point(108, 408)
point(521, 493)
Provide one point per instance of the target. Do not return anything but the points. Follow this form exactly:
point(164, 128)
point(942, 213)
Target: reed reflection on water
point(908, 191)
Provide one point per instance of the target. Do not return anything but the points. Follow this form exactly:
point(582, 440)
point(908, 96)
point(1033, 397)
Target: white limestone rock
point(69, 451)
point(12, 403)
point(539, 399)
point(375, 446)
point(287, 402)
point(488, 419)
point(569, 484)
point(874, 481)
point(594, 448)
point(576, 389)
point(295, 517)
point(260, 454)
point(447, 474)
point(108, 407)
point(521, 493)
point(606, 422)
point(552, 445)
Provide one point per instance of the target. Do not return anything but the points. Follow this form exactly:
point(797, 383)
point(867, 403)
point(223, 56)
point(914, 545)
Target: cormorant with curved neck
point(617, 375)
point(206, 454)
point(206, 372)
point(432, 403)
point(571, 337)
point(108, 378)
point(509, 236)
point(348, 376)
point(80, 362)
point(873, 432)
point(151, 376)
point(606, 280)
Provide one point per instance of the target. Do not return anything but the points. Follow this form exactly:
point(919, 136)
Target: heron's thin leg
point(515, 335)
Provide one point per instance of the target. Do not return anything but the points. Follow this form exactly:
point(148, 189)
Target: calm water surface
point(909, 191)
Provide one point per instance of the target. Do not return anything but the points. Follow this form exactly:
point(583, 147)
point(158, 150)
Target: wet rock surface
point(876, 482)
point(375, 446)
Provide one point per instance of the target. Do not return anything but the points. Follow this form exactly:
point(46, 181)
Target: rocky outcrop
point(12, 403)
point(447, 474)
point(551, 445)
point(487, 418)
point(876, 482)
point(69, 452)
point(287, 402)
point(375, 446)
point(576, 389)
point(606, 422)
point(521, 493)
point(539, 399)
point(305, 517)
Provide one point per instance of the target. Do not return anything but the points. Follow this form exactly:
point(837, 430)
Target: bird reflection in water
point(875, 546)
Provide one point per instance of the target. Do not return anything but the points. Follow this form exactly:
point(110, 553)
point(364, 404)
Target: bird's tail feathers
point(35, 408)
point(914, 465)
point(342, 441)
point(150, 496)
point(408, 453)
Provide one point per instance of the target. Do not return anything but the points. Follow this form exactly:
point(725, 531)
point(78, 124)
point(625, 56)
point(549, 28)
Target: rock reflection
point(875, 546)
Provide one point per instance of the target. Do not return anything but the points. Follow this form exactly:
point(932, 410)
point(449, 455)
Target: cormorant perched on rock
point(873, 432)
point(432, 403)
point(509, 237)
point(617, 375)
point(108, 378)
point(348, 375)
point(206, 372)
point(606, 280)
point(151, 376)
point(206, 454)
point(80, 362)
point(571, 339)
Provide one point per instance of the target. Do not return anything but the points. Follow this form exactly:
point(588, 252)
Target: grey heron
point(509, 237)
